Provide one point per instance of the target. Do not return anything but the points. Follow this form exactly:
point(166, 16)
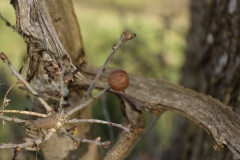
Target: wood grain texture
point(156, 95)
point(67, 28)
point(50, 27)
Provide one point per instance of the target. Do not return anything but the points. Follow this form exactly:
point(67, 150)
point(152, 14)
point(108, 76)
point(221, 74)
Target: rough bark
point(155, 96)
point(212, 67)
point(215, 40)
point(50, 27)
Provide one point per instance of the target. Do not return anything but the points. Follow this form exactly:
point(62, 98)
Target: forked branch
point(5, 59)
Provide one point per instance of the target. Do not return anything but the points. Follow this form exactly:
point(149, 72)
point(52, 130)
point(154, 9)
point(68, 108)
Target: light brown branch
point(98, 121)
point(83, 140)
point(27, 144)
point(84, 104)
point(24, 112)
point(125, 36)
point(12, 119)
point(22, 80)
point(5, 100)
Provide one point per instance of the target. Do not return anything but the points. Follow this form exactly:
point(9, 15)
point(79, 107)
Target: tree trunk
point(212, 67)
point(42, 24)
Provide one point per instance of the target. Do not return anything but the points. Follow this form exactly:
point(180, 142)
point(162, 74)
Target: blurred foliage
point(157, 51)
point(13, 45)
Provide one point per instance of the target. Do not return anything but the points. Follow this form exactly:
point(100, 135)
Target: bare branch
point(84, 104)
point(61, 85)
point(27, 144)
point(7, 22)
point(5, 100)
point(22, 80)
point(98, 121)
point(24, 112)
point(14, 119)
point(104, 144)
point(125, 36)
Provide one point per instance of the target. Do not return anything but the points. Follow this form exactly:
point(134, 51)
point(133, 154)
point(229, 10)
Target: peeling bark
point(50, 28)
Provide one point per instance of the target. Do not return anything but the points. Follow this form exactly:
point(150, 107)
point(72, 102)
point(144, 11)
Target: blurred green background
point(157, 51)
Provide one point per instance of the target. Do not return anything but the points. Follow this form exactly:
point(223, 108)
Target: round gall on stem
point(118, 80)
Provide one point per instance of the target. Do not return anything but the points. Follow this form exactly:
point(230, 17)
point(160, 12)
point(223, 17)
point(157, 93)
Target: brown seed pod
point(118, 80)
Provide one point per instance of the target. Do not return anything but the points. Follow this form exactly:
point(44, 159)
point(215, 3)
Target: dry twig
point(22, 80)
point(80, 140)
point(14, 119)
point(125, 36)
point(98, 121)
point(27, 144)
point(84, 104)
point(24, 112)
point(53, 122)
point(5, 100)
point(7, 22)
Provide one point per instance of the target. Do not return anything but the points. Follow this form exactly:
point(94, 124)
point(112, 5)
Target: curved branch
point(155, 95)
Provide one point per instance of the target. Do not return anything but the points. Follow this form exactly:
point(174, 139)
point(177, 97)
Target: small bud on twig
point(127, 36)
point(107, 144)
point(3, 56)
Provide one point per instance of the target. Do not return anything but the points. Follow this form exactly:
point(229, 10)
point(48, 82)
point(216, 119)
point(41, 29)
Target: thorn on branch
point(70, 76)
point(34, 145)
point(16, 152)
point(7, 22)
point(20, 70)
point(65, 106)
